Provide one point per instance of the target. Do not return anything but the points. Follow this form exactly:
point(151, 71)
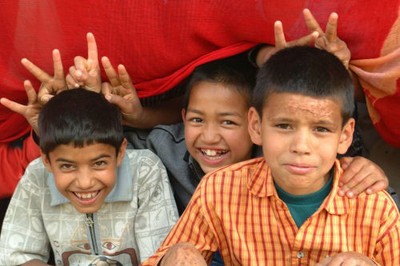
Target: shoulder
point(236, 174)
point(35, 174)
point(379, 205)
point(174, 132)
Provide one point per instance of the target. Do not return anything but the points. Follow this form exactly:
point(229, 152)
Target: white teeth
point(213, 153)
point(86, 195)
point(210, 152)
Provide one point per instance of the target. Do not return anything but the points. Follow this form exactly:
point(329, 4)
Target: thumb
point(119, 101)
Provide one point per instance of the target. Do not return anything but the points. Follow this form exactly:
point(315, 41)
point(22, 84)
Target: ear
point(183, 113)
point(346, 137)
point(121, 152)
point(254, 126)
point(46, 161)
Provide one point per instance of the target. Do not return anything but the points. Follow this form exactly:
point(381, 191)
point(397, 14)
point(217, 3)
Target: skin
point(85, 175)
point(215, 124)
point(183, 254)
point(301, 137)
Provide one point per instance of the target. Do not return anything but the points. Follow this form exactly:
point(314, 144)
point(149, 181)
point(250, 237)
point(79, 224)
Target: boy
point(284, 208)
point(87, 197)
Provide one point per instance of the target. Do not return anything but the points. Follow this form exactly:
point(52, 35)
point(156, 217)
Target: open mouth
point(86, 195)
point(216, 154)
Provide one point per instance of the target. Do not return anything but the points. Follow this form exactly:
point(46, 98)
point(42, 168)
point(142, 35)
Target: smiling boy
point(284, 208)
point(87, 197)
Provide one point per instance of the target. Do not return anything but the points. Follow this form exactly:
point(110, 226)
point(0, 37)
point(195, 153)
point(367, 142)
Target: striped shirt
point(237, 211)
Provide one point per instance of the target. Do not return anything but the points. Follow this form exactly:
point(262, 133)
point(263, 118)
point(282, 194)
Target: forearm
point(166, 113)
point(34, 263)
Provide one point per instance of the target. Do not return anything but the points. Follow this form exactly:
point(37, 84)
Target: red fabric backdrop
point(160, 42)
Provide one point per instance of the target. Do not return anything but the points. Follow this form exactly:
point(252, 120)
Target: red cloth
point(160, 42)
point(13, 163)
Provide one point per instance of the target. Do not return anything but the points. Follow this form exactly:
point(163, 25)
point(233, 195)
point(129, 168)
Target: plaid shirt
point(237, 211)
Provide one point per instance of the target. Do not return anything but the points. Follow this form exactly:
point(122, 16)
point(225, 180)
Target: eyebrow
point(101, 156)
point(189, 110)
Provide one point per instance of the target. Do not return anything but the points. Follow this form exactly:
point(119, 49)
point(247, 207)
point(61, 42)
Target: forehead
point(296, 105)
point(209, 94)
point(85, 153)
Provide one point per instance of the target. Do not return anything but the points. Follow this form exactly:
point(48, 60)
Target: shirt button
point(300, 255)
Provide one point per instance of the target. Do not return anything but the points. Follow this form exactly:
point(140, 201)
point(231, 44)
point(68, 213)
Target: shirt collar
point(261, 184)
point(122, 191)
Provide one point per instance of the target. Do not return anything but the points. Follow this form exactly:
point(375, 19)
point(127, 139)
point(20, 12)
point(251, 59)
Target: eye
point(283, 126)
point(228, 122)
point(100, 164)
point(65, 167)
point(322, 129)
point(195, 120)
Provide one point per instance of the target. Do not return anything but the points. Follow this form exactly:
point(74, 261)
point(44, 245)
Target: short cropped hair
point(79, 117)
point(305, 71)
point(235, 73)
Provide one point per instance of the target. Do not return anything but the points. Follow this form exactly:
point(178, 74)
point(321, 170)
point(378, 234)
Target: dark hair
point(235, 72)
point(79, 117)
point(307, 71)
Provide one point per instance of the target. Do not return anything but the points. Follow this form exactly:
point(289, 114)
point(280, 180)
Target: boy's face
point(301, 137)
point(216, 126)
point(86, 175)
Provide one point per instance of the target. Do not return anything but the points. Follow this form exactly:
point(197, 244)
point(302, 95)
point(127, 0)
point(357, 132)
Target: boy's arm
point(192, 227)
point(121, 92)
point(157, 212)
point(183, 254)
point(34, 263)
point(347, 258)
point(23, 237)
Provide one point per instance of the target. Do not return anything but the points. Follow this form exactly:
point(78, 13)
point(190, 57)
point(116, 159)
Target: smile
point(87, 195)
point(213, 153)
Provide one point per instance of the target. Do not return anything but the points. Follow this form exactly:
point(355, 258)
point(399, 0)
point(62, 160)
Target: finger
point(311, 22)
point(106, 89)
point(119, 101)
point(280, 41)
point(30, 92)
point(41, 75)
point(345, 162)
point(126, 81)
point(377, 186)
point(306, 40)
point(92, 47)
point(110, 71)
point(331, 27)
point(58, 66)
point(13, 106)
point(71, 82)
point(80, 64)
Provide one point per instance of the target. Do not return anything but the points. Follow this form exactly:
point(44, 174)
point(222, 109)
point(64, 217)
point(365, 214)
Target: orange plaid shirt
point(237, 211)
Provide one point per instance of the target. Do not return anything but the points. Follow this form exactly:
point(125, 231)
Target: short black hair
point(306, 71)
point(79, 117)
point(235, 72)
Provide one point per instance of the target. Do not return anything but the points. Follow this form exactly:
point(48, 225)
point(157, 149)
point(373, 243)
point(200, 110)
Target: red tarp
point(160, 42)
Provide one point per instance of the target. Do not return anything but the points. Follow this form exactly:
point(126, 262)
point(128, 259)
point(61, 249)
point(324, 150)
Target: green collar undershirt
point(303, 206)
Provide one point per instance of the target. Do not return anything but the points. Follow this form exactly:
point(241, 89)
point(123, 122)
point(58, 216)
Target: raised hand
point(51, 85)
point(121, 92)
point(328, 40)
point(280, 42)
point(86, 71)
point(31, 110)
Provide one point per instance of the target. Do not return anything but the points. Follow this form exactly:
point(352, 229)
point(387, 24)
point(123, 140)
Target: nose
point(301, 142)
point(85, 178)
point(210, 133)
